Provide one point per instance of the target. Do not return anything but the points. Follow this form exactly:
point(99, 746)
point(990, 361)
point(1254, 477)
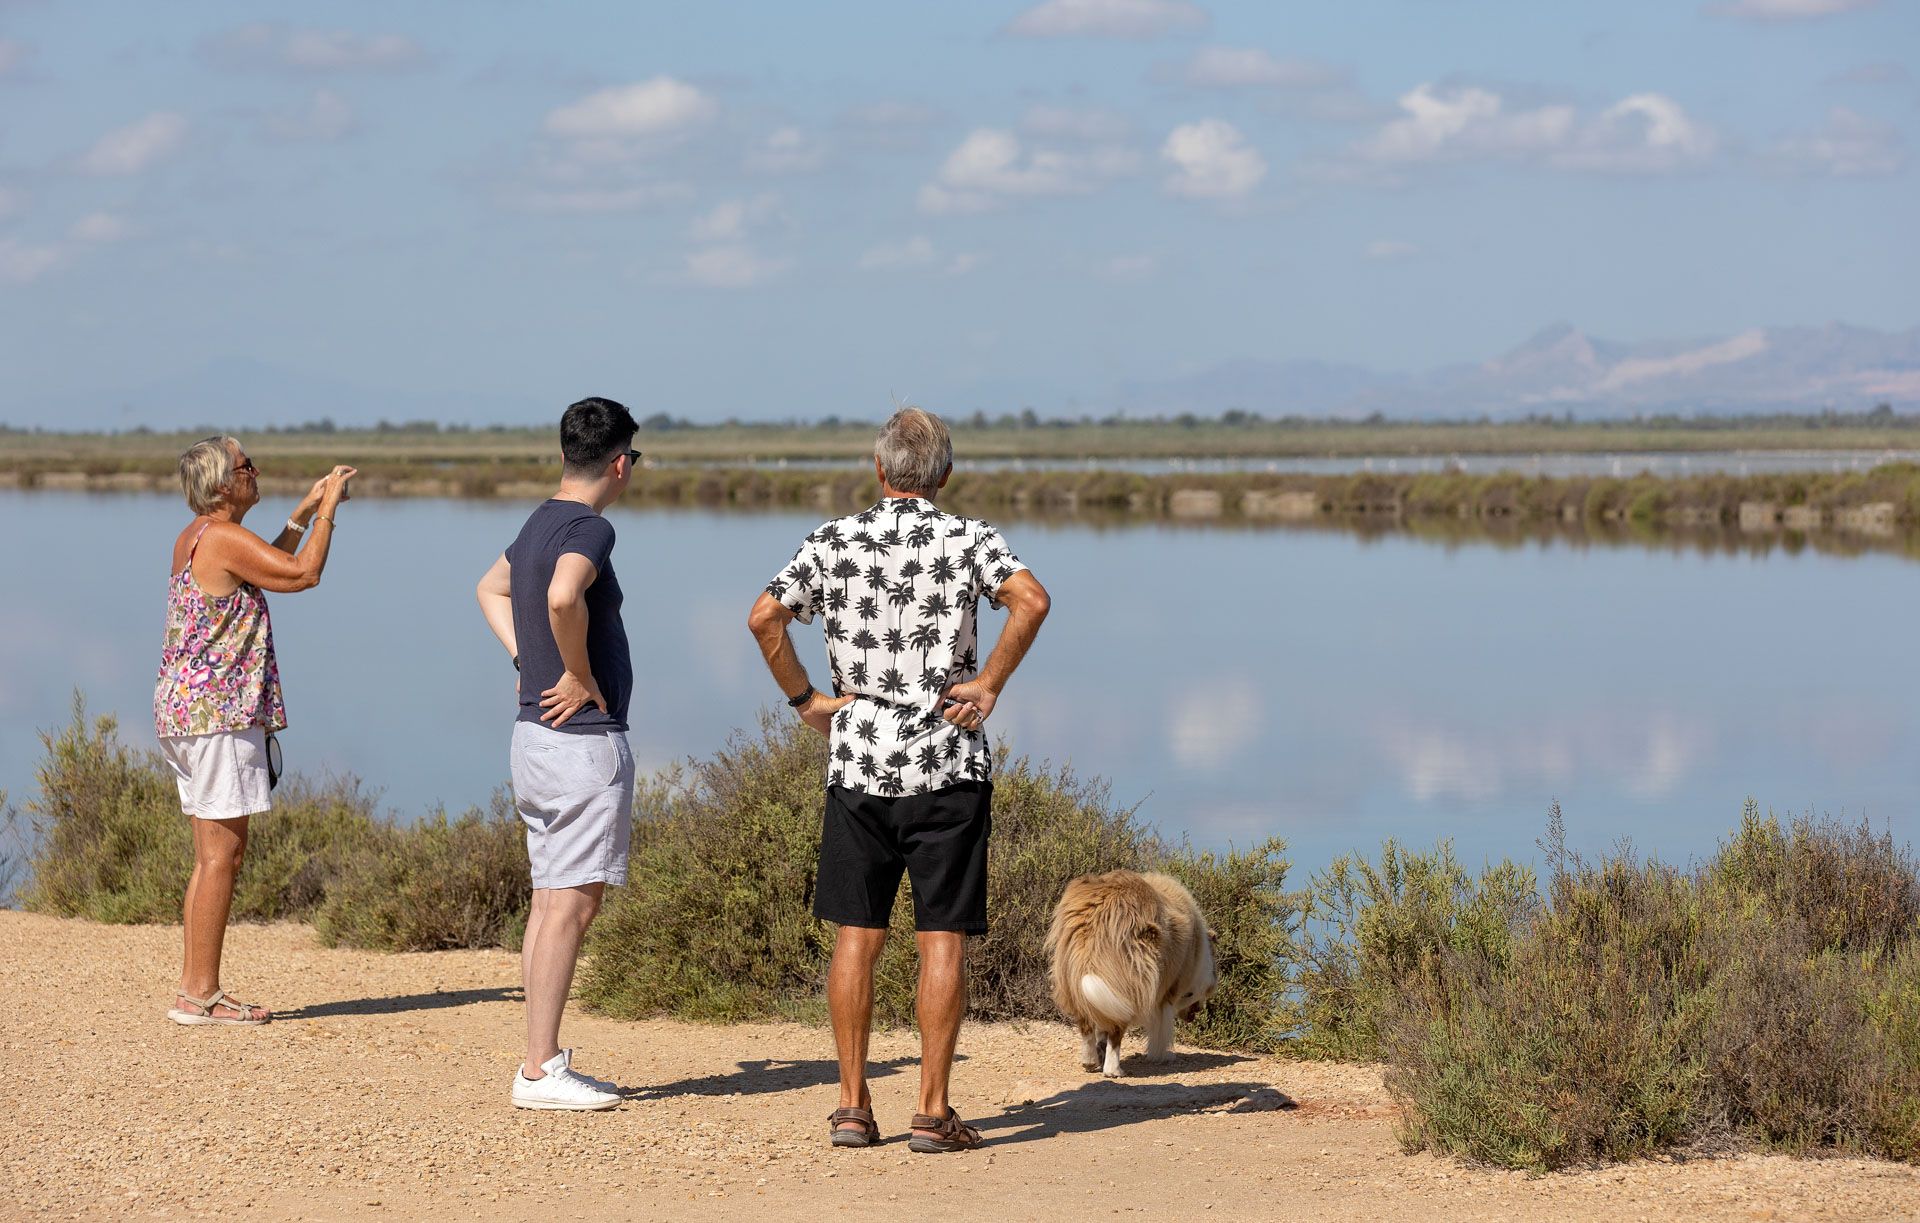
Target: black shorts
point(938, 839)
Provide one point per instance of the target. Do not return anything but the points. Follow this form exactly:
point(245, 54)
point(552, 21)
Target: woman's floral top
point(217, 670)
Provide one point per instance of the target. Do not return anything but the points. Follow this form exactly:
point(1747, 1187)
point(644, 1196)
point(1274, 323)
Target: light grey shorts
point(221, 776)
point(575, 794)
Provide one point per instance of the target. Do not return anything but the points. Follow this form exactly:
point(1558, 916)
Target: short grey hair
point(915, 450)
point(206, 470)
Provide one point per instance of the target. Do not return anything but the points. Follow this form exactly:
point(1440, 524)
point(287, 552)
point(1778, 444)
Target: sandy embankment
point(382, 1091)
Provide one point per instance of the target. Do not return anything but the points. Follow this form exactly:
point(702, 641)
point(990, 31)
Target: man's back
point(557, 527)
point(899, 584)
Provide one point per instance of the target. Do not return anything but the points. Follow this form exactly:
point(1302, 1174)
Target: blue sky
point(789, 210)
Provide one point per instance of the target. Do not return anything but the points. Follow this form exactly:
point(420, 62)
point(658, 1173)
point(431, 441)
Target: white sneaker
point(560, 1089)
point(588, 1079)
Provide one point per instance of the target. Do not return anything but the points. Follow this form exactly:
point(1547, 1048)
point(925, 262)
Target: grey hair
point(206, 469)
point(915, 450)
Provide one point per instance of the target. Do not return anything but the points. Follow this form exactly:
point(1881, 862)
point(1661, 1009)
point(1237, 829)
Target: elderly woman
point(218, 696)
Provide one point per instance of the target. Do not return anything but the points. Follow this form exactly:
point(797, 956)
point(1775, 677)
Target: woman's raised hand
point(338, 478)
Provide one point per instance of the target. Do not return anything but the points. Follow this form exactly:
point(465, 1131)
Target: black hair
point(592, 432)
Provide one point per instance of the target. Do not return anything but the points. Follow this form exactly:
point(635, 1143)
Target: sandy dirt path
point(382, 1091)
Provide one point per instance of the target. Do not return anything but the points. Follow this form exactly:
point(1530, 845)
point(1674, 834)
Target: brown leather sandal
point(868, 1135)
point(950, 1134)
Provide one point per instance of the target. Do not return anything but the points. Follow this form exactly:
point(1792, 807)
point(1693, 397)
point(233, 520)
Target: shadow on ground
point(1107, 1104)
point(395, 1003)
point(769, 1075)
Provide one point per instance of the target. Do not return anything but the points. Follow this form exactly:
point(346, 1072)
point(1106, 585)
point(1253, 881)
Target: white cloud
point(1107, 19)
point(273, 45)
point(137, 146)
point(732, 267)
point(655, 107)
point(1643, 134)
point(1253, 68)
point(1786, 10)
point(786, 150)
point(1213, 161)
point(13, 202)
point(100, 228)
point(991, 166)
point(1390, 248)
point(729, 220)
point(1465, 122)
point(325, 118)
point(23, 263)
point(13, 53)
point(917, 253)
point(1070, 123)
point(1847, 145)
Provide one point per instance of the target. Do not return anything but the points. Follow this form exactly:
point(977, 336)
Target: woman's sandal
point(245, 1015)
point(950, 1134)
point(868, 1135)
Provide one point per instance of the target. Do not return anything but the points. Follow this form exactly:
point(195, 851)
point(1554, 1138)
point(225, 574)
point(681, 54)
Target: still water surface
point(1235, 684)
point(1558, 463)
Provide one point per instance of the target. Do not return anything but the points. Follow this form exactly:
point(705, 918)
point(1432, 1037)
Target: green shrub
point(1557, 1046)
point(717, 924)
point(111, 845)
point(1767, 996)
point(1373, 933)
point(434, 884)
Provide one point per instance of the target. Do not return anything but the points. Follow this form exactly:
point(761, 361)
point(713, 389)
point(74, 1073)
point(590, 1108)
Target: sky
point(773, 211)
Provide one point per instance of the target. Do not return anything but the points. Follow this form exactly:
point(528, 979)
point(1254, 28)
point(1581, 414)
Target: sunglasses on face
point(633, 458)
point(247, 468)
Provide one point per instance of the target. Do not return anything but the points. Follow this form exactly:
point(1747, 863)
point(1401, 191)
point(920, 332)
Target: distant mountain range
point(1559, 370)
point(1562, 369)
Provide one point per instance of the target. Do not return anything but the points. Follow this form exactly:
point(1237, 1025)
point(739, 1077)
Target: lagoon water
point(1561, 464)
point(1236, 684)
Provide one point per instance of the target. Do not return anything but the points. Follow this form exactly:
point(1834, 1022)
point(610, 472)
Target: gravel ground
point(382, 1090)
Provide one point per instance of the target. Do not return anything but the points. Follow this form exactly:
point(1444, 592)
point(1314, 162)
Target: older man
point(909, 772)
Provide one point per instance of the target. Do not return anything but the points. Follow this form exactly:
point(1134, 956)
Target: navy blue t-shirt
point(556, 528)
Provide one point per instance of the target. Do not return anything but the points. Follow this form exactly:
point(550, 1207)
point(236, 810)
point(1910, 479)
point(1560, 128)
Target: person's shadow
point(394, 1004)
point(764, 1076)
point(1105, 1104)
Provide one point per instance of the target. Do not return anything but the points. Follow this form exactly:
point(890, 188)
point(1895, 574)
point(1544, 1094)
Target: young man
point(554, 603)
point(908, 774)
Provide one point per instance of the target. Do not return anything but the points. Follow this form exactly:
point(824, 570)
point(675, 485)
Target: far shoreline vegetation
point(705, 467)
point(1234, 433)
point(1766, 997)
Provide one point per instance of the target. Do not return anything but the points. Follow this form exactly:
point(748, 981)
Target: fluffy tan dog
point(1128, 950)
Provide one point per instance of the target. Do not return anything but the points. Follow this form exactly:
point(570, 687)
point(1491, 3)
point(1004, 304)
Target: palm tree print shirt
point(900, 583)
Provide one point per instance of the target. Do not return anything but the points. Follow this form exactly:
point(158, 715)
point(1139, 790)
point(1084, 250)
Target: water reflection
point(1320, 685)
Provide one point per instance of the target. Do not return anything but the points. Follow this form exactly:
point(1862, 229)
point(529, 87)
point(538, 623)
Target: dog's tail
point(1120, 966)
point(1105, 1000)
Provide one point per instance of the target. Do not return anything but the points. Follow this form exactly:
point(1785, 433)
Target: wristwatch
point(805, 696)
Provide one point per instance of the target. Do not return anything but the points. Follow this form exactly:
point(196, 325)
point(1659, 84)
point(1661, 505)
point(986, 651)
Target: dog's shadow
point(1105, 1104)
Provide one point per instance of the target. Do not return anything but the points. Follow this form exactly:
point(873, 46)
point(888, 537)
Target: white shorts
point(221, 776)
point(575, 795)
